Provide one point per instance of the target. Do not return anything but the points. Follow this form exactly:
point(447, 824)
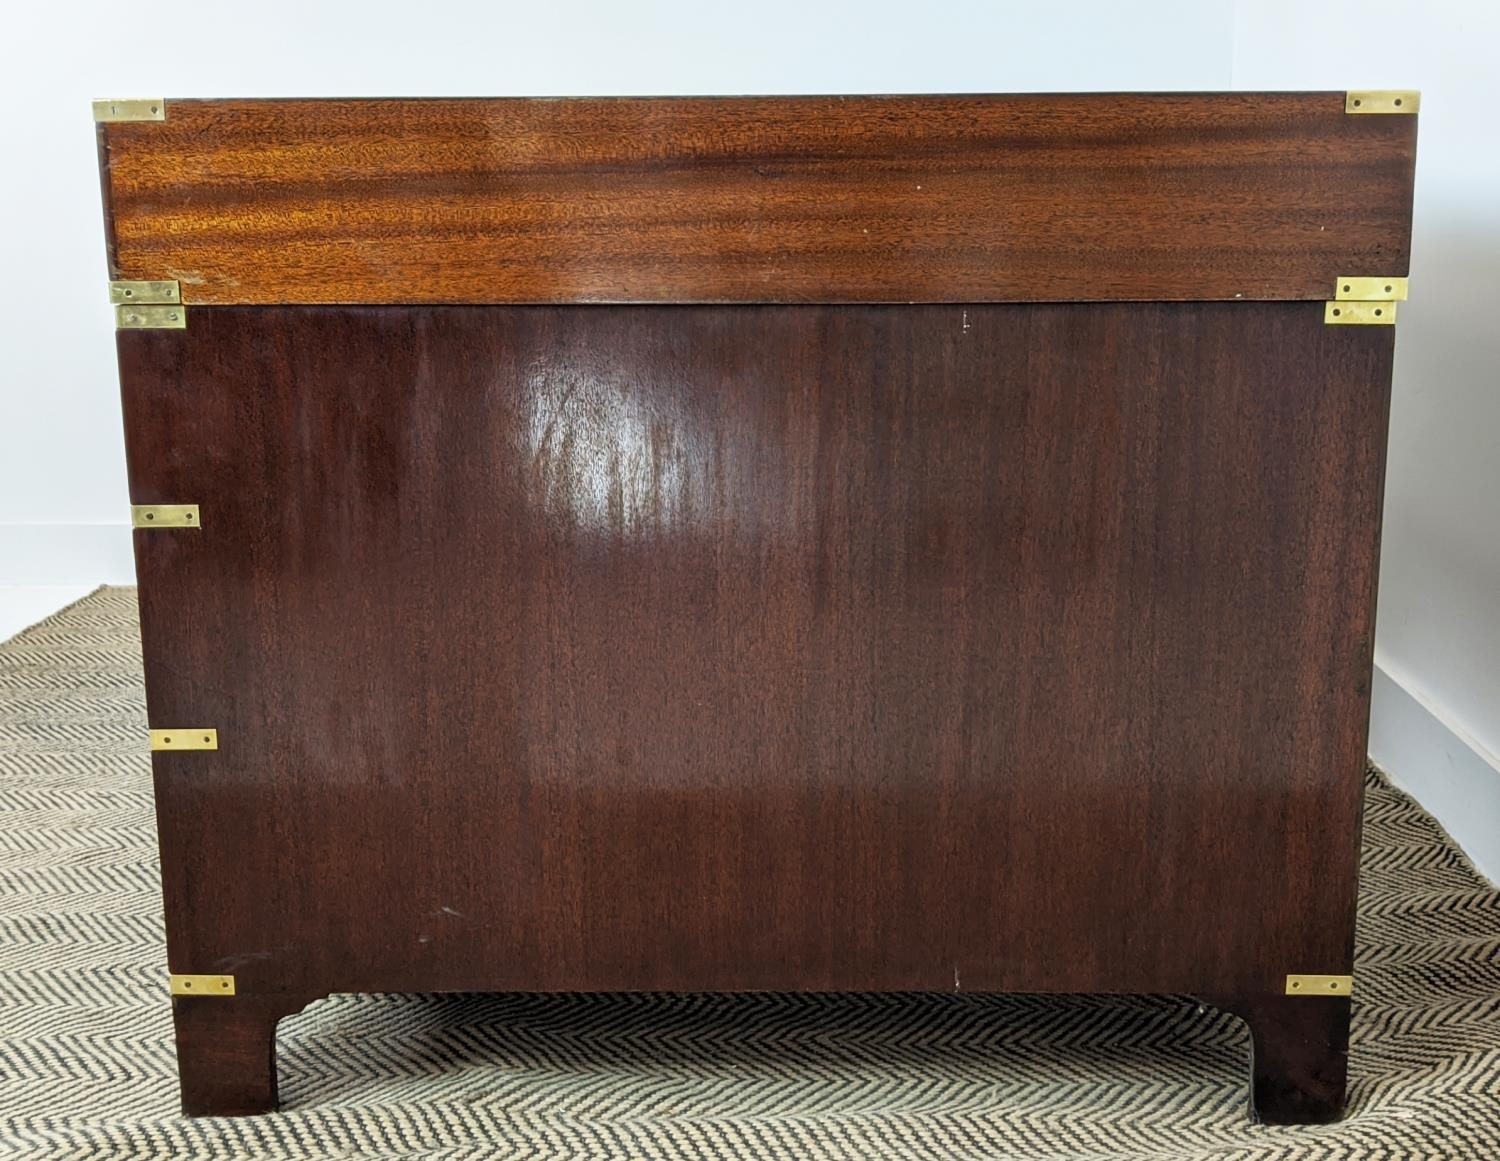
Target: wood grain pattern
point(761, 200)
point(991, 647)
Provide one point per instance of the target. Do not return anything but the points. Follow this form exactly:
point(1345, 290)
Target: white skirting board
point(22, 606)
point(45, 566)
point(1439, 765)
point(67, 554)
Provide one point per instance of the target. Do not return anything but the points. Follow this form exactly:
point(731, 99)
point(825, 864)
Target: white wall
point(62, 486)
point(1436, 714)
point(62, 476)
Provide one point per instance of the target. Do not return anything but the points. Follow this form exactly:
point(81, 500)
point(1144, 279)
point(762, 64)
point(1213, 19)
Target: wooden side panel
point(987, 647)
point(762, 200)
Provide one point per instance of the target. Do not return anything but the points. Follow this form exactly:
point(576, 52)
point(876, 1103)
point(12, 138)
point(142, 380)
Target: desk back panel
point(1001, 647)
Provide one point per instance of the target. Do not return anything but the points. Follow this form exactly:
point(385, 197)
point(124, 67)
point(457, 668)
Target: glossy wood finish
point(987, 647)
point(761, 200)
point(779, 644)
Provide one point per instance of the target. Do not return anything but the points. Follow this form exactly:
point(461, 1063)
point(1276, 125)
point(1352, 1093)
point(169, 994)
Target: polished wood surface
point(761, 200)
point(955, 571)
point(987, 647)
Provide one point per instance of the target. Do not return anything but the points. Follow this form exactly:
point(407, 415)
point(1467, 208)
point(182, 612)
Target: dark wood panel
point(777, 200)
point(986, 647)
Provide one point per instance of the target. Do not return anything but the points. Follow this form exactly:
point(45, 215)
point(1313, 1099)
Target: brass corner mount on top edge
point(133, 109)
point(1388, 101)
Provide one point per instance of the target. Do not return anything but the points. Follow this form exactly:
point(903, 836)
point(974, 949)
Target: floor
point(87, 1068)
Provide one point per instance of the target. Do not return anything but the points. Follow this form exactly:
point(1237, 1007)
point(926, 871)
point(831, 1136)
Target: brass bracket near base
point(1319, 985)
point(185, 739)
point(146, 109)
point(194, 985)
point(1382, 101)
point(164, 516)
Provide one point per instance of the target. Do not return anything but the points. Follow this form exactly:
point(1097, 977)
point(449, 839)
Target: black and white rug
point(87, 1071)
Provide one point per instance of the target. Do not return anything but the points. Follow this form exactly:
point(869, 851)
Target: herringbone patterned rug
point(86, 1066)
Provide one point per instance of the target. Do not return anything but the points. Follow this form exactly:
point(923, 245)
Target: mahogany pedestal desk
point(806, 544)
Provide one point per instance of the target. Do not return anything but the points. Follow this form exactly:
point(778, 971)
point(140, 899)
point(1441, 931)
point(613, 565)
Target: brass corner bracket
point(185, 738)
point(1349, 289)
point(130, 293)
point(1359, 313)
point(165, 516)
point(1390, 101)
point(1319, 985)
point(148, 305)
point(143, 109)
point(200, 985)
point(1364, 301)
